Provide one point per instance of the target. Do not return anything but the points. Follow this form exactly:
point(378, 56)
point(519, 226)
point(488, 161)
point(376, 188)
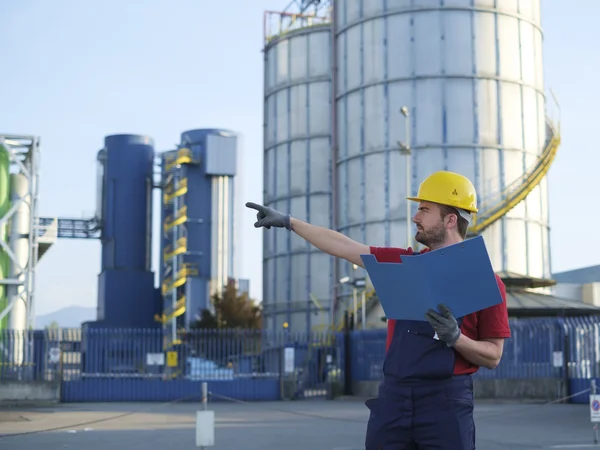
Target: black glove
point(269, 217)
point(444, 324)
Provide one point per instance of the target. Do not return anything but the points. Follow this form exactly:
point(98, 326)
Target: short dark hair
point(462, 224)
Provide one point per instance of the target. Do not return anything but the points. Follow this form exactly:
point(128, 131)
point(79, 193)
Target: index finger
point(254, 206)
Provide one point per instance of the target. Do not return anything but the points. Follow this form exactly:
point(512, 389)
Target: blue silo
point(126, 293)
point(197, 245)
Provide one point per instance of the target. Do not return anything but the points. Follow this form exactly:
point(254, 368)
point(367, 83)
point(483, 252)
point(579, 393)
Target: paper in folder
point(460, 276)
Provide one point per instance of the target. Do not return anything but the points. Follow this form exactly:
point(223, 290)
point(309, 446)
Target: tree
point(232, 311)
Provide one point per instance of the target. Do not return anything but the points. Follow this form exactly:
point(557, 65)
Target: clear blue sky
point(74, 71)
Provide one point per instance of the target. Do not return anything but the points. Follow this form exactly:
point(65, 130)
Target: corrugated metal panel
point(584, 275)
point(535, 300)
point(473, 83)
point(297, 171)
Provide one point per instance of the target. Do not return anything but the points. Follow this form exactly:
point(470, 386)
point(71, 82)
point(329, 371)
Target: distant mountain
point(69, 317)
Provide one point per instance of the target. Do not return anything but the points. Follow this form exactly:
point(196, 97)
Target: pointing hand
point(269, 217)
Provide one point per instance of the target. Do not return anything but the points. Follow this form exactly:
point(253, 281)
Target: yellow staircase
point(177, 271)
point(495, 208)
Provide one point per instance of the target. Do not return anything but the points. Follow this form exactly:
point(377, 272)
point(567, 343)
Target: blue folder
point(460, 276)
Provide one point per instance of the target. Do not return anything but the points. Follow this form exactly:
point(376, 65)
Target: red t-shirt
point(489, 323)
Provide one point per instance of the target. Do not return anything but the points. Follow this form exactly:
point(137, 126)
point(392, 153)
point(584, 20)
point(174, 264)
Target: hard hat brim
point(423, 199)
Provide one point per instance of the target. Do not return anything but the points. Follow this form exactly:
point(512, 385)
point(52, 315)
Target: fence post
point(566, 358)
point(348, 325)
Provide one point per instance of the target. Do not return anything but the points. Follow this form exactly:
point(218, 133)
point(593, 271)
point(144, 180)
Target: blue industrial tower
point(126, 294)
point(197, 244)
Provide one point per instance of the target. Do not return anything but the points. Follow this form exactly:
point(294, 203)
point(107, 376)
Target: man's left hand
point(444, 324)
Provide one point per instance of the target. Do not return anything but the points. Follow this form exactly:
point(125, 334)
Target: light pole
point(357, 283)
point(406, 151)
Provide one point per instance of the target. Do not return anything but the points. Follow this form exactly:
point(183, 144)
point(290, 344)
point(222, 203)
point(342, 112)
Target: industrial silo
point(4, 208)
point(297, 277)
point(470, 75)
point(126, 294)
point(197, 245)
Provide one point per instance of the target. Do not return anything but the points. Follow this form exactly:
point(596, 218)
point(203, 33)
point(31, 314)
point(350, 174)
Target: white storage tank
point(297, 155)
point(470, 73)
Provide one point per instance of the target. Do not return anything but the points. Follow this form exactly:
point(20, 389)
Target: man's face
point(431, 228)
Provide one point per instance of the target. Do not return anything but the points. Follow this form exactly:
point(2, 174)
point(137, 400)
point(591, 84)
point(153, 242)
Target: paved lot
point(326, 425)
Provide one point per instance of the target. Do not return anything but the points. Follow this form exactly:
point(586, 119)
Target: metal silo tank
point(4, 208)
point(126, 283)
point(297, 168)
point(471, 77)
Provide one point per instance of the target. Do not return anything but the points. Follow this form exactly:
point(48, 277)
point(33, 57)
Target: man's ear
point(451, 220)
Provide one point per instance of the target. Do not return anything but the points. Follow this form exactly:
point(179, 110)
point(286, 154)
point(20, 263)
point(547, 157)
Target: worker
point(425, 399)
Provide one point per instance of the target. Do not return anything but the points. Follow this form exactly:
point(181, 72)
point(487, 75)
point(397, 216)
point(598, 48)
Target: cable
point(529, 408)
point(288, 411)
point(105, 419)
point(319, 416)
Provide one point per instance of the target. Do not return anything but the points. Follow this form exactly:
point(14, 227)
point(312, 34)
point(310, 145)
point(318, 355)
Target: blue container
point(126, 294)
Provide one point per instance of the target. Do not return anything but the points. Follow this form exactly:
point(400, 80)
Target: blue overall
point(421, 405)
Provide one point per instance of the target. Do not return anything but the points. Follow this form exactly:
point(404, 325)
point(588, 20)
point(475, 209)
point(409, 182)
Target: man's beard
point(433, 237)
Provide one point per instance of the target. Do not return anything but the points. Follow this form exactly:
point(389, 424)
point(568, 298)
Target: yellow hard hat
point(448, 188)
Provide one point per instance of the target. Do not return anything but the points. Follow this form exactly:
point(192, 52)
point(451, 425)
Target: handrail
point(518, 190)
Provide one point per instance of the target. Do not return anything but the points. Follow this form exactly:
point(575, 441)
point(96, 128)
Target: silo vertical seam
point(444, 85)
point(289, 186)
point(412, 109)
point(346, 133)
point(308, 186)
point(274, 241)
point(266, 110)
point(523, 140)
point(333, 178)
point(363, 188)
point(544, 229)
point(474, 83)
point(499, 137)
point(386, 119)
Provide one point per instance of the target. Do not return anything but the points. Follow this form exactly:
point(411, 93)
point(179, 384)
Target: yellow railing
point(494, 209)
point(180, 217)
point(170, 192)
point(180, 248)
point(171, 313)
point(183, 156)
point(188, 270)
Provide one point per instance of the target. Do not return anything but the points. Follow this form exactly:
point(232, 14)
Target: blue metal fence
point(144, 365)
point(539, 348)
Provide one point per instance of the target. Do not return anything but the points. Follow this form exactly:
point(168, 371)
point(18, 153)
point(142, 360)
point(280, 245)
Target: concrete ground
point(298, 425)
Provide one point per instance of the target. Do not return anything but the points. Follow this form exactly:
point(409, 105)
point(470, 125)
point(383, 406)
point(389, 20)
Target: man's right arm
point(330, 241)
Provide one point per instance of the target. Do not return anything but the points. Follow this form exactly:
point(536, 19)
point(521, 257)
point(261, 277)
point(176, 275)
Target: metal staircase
point(497, 206)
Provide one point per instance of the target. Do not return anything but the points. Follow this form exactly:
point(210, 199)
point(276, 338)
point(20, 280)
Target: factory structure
point(363, 100)
point(196, 182)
